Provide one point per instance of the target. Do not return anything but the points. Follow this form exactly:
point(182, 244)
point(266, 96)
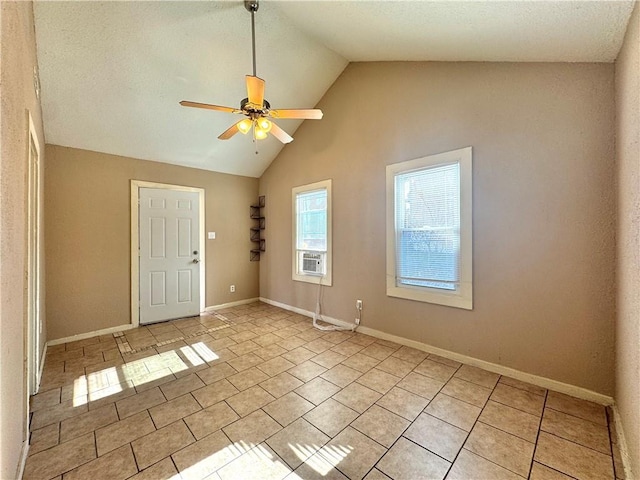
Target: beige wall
point(87, 216)
point(18, 57)
point(543, 200)
point(628, 239)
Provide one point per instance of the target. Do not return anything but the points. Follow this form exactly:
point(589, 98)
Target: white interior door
point(169, 239)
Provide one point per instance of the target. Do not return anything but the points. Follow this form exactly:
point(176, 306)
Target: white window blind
point(311, 211)
point(427, 218)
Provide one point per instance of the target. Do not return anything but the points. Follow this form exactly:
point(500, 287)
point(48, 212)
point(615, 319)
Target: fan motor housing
point(246, 107)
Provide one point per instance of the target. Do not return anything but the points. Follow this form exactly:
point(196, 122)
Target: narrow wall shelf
point(255, 232)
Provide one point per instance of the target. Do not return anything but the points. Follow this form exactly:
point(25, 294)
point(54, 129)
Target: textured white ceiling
point(112, 73)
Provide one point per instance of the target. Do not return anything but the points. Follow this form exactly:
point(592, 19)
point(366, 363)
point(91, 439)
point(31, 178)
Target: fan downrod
point(251, 5)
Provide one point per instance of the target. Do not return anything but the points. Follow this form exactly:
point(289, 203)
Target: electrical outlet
point(358, 304)
point(232, 288)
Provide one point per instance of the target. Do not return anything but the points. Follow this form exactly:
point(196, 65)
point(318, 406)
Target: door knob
point(195, 260)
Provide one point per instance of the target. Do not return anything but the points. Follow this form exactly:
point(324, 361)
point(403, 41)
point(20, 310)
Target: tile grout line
point(535, 447)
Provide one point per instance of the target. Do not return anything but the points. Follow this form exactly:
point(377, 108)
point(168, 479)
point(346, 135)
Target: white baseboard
point(622, 444)
point(82, 336)
point(24, 453)
point(231, 304)
point(544, 382)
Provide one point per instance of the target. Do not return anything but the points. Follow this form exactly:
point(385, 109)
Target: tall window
point(312, 233)
point(429, 229)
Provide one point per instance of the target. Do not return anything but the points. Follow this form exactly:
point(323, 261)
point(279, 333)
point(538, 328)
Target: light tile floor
point(256, 392)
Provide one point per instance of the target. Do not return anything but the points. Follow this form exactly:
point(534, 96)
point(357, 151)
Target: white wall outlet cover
point(211, 235)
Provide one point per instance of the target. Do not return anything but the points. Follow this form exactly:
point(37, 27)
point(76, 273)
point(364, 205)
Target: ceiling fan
point(255, 108)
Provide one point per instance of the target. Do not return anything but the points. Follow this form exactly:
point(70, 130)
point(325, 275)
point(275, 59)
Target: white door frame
point(135, 235)
point(33, 327)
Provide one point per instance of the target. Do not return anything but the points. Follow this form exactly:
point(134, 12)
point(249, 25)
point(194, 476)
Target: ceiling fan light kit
point(255, 108)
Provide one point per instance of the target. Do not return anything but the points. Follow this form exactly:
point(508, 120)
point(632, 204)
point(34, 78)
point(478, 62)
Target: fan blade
point(280, 134)
point(255, 90)
point(185, 103)
point(229, 132)
point(309, 114)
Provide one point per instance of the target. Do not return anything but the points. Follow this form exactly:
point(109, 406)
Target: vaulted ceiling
point(112, 73)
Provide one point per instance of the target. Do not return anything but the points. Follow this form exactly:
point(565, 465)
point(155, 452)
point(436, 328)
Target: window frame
point(462, 296)
point(327, 279)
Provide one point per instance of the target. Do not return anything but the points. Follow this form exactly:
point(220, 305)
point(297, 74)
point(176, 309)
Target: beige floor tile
point(249, 400)
point(288, 408)
point(542, 472)
point(160, 444)
point(317, 390)
point(281, 384)
point(467, 392)
point(435, 370)
point(87, 422)
point(337, 337)
point(347, 348)
point(270, 351)
point(318, 346)
point(215, 373)
point(378, 380)
point(444, 360)
point(252, 429)
point(511, 420)
point(244, 347)
point(353, 453)
point(376, 474)
point(426, 387)
point(181, 386)
point(341, 375)
point(396, 366)
point(116, 465)
point(45, 400)
point(331, 417)
point(297, 442)
point(381, 425)
point(317, 467)
point(307, 370)
point(56, 413)
point(408, 460)
point(214, 393)
point(247, 378)
point(437, 436)
point(328, 359)
point(210, 419)
point(298, 355)
point(363, 339)
point(578, 408)
point(139, 402)
point(267, 339)
point(377, 351)
point(62, 458)
point(111, 394)
point(411, 355)
point(361, 362)
point(275, 366)
point(471, 466)
point(204, 457)
point(512, 382)
point(291, 342)
point(173, 410)
point(358, 397)
point(520, 399)
point(163, 470)
point(502, 448)
point(125, 431)
point(573, 459)
point(244, 362)
point(577, 430)
point(406, 404)
point(478, 376)
point(260, 462)
point(456, 412)
point(44, 438)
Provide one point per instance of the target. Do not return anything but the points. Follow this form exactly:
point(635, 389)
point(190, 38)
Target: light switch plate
point(211, 236)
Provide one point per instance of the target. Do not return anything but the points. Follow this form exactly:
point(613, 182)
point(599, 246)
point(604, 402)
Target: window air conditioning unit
point(313, 263)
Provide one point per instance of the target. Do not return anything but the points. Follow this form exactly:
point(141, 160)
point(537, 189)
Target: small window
point(312, 233)
point(429, 237)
